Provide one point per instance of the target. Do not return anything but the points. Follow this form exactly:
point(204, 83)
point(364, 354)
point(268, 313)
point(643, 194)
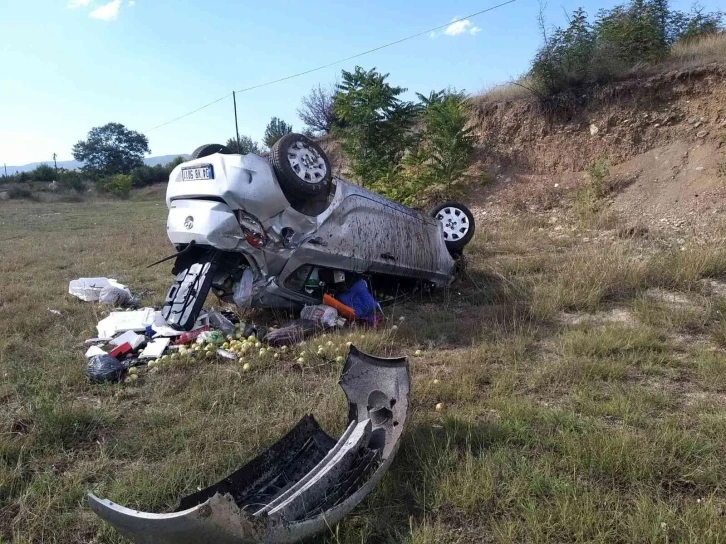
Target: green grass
point(551, 430)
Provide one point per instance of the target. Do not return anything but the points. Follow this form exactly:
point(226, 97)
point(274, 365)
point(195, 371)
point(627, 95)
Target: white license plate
point(205, 171)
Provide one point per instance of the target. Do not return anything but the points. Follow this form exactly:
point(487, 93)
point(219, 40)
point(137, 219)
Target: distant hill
point(75, 165)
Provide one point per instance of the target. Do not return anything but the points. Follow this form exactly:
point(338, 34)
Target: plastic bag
point(242, 294)
point(116, 296)
point(322, 314)
point(211, 337)
point(218, 321)
point(104, 368)
point(89, 289)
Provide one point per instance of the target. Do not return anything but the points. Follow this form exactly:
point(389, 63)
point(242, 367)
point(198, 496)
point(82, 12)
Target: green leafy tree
point(111, 149)
point(43, 172)
point(246, 145)
point(377, 123)
point(275, 130)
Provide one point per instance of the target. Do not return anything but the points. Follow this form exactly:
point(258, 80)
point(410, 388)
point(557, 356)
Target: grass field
point(583, 388)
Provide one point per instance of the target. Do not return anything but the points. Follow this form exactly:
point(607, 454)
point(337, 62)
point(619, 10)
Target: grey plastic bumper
point(301, 485)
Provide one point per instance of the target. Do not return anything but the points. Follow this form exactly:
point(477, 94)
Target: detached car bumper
point(300, 486)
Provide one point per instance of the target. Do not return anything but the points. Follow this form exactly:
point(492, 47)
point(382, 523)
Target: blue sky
point(70, 65)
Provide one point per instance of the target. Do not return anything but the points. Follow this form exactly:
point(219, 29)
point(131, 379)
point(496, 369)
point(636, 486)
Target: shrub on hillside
point(118, 185)
point(639, 31)
point(21, 193)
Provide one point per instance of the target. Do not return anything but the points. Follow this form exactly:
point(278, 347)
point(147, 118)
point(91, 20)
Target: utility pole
point(55, 162)
point(6, 169)
point(236, 126)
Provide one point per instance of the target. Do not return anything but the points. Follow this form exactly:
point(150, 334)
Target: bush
point(71, 180)
point(620, 38)
point(119, 185)
point(143, 176)
point(21, 193)
point(43, 172)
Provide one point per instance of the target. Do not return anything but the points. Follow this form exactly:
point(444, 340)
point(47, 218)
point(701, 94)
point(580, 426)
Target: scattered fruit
point(276, 356)
point(134, 377)
point(436, 381)
point(402, 319)
point(301, 360)
point(349, 344)
point(329, 343)
point(263, 352)
point(394, 328)
point(418, 353)
point(439, 406)
point(339, 359)
point(246, 367)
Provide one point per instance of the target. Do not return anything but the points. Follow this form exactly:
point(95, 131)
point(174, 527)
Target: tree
point(246, 145)
point(448, 140)
point(377, 123)
point(111, 149)
point(316, 109)
point(275, 130)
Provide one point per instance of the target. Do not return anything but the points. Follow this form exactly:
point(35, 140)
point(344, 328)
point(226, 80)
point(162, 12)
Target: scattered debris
point(155, 348)
point(321, 314)
point(55, 312)
point(104, 368)
point(135, 340)
point(89, 289)
point(322, 480)
point(93, 351)
point(117, 322)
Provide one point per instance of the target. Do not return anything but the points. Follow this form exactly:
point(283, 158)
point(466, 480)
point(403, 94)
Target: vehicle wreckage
point(281, 232)
point(301, 485)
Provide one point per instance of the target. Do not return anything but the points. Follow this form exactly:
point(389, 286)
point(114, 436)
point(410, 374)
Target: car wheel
point(458, 223)
point(301, 165)
point(209, 149)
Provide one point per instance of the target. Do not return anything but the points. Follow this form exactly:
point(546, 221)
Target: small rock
point(702, 134)
point(699, 168)
point(557, 185)
point(696, 124)
point(593, 130)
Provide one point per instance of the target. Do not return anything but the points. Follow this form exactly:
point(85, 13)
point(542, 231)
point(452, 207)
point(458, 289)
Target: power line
point(417, 35)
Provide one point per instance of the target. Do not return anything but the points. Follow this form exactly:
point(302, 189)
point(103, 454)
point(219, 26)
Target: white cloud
point(74, 4)
point(132, 3)
point(107, 12)
point(461, 27)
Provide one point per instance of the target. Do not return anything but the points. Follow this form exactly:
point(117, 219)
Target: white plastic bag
point(89, 289)
point(116, 295)
point(242, 294)
point(323, 314)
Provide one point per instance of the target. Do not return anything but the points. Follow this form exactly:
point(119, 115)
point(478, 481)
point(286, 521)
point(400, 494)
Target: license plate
point(192, 173)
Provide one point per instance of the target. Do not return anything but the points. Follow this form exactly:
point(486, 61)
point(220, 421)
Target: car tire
point(301, 166)
point(209, 149)
point(458, 223)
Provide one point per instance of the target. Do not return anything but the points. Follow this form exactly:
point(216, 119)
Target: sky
point(70, 65)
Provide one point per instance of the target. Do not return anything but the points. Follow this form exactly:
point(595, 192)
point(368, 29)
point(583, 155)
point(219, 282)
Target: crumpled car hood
point(301, 485)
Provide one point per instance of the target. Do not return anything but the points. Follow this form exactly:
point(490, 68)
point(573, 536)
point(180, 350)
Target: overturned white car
point(282, 232)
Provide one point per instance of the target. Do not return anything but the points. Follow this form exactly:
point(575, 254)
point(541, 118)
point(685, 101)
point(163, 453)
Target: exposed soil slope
point(664, 137)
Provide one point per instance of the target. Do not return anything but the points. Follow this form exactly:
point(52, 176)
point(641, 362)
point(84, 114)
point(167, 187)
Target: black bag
point(104, 368)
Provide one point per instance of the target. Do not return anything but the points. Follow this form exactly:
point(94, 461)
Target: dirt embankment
point(663, 135)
